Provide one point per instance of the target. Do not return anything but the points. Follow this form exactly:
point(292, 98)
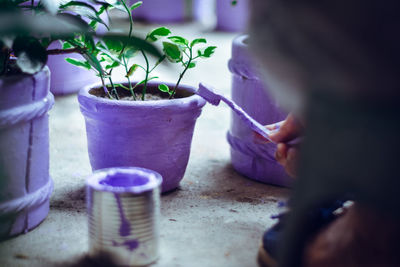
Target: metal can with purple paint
point(123, 207)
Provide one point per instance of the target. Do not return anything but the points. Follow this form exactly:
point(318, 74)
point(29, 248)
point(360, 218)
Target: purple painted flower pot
point(256, 161)
point(25, 184)
point(150, 134)
point(160, 11)
point(232, 18)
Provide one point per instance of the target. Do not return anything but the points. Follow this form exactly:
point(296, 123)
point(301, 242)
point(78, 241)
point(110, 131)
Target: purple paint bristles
point(206, 92)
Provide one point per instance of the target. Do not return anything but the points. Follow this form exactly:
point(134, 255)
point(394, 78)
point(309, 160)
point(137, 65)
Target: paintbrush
point(207, 92)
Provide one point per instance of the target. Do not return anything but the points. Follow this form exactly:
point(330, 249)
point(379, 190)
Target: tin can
point(123, 207)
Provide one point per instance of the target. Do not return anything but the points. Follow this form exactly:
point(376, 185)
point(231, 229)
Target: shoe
point(268, 251)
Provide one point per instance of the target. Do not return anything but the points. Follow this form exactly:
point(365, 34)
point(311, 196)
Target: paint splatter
point(131, 245)
point(125, 227)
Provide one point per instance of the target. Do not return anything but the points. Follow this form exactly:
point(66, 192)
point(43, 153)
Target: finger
point(280, 154)
point(274, 126)
point(258, 138)
point(290, 129)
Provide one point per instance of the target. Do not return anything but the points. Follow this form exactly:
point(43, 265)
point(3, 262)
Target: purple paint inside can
point(125, 180)
point(122, 180)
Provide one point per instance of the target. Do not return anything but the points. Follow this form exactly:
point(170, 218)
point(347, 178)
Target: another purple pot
point(232, 18)
point(150, 134)
point(254, 160)
point(25, 184)
point(160, 11)
point(65, 77)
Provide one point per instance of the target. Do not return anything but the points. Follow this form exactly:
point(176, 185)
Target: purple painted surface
point(255, 161)
point(25, 184)
point(232, 18)
point(160, 11)
point(151, 134)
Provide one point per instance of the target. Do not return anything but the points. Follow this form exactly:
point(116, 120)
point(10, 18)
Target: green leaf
point(132, 69)
point(67, 45)
point(116, 4)
point(109, 55)
point(132, 42)
point(113, 44)
point(130, 52)
point(119, 85)
point(93, 24)
point(136, 5)
point(143, 81)
point(206, 53)
point(31, 55)
point(198, 41)
point(156, 34)
point(234, 2)
point(93, 62)
point(172, 51)
point(179, 40)
point(85, 10)
point(79, 63)
point(89, 42)
point(112, 65)
point(191, 65)
point(163, 88)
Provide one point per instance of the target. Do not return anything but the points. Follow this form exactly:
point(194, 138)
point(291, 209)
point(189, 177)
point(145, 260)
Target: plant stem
point(113, 88)
point(181, 75)
point(130, 24)
point(147, 74)
point(105, 88)
point(127, 76)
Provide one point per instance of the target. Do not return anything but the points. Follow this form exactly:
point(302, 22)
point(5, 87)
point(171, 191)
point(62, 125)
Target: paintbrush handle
point(254, 125)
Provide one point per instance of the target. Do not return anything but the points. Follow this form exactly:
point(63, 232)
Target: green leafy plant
point(27, 28)
point(108, 53)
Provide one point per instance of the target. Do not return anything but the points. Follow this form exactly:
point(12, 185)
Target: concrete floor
point(215, 218)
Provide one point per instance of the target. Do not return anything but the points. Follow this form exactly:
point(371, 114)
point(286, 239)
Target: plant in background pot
point(27, 28)
point(144, 123)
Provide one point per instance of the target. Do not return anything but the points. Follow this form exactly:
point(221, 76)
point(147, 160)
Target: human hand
point(286, 131)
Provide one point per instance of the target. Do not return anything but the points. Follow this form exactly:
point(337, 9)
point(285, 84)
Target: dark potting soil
point(147, 97)
point(153, 94)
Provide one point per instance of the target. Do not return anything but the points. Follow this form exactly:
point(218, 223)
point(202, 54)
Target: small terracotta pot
point(153, 134)
point(25, 184)
point(256, 161)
